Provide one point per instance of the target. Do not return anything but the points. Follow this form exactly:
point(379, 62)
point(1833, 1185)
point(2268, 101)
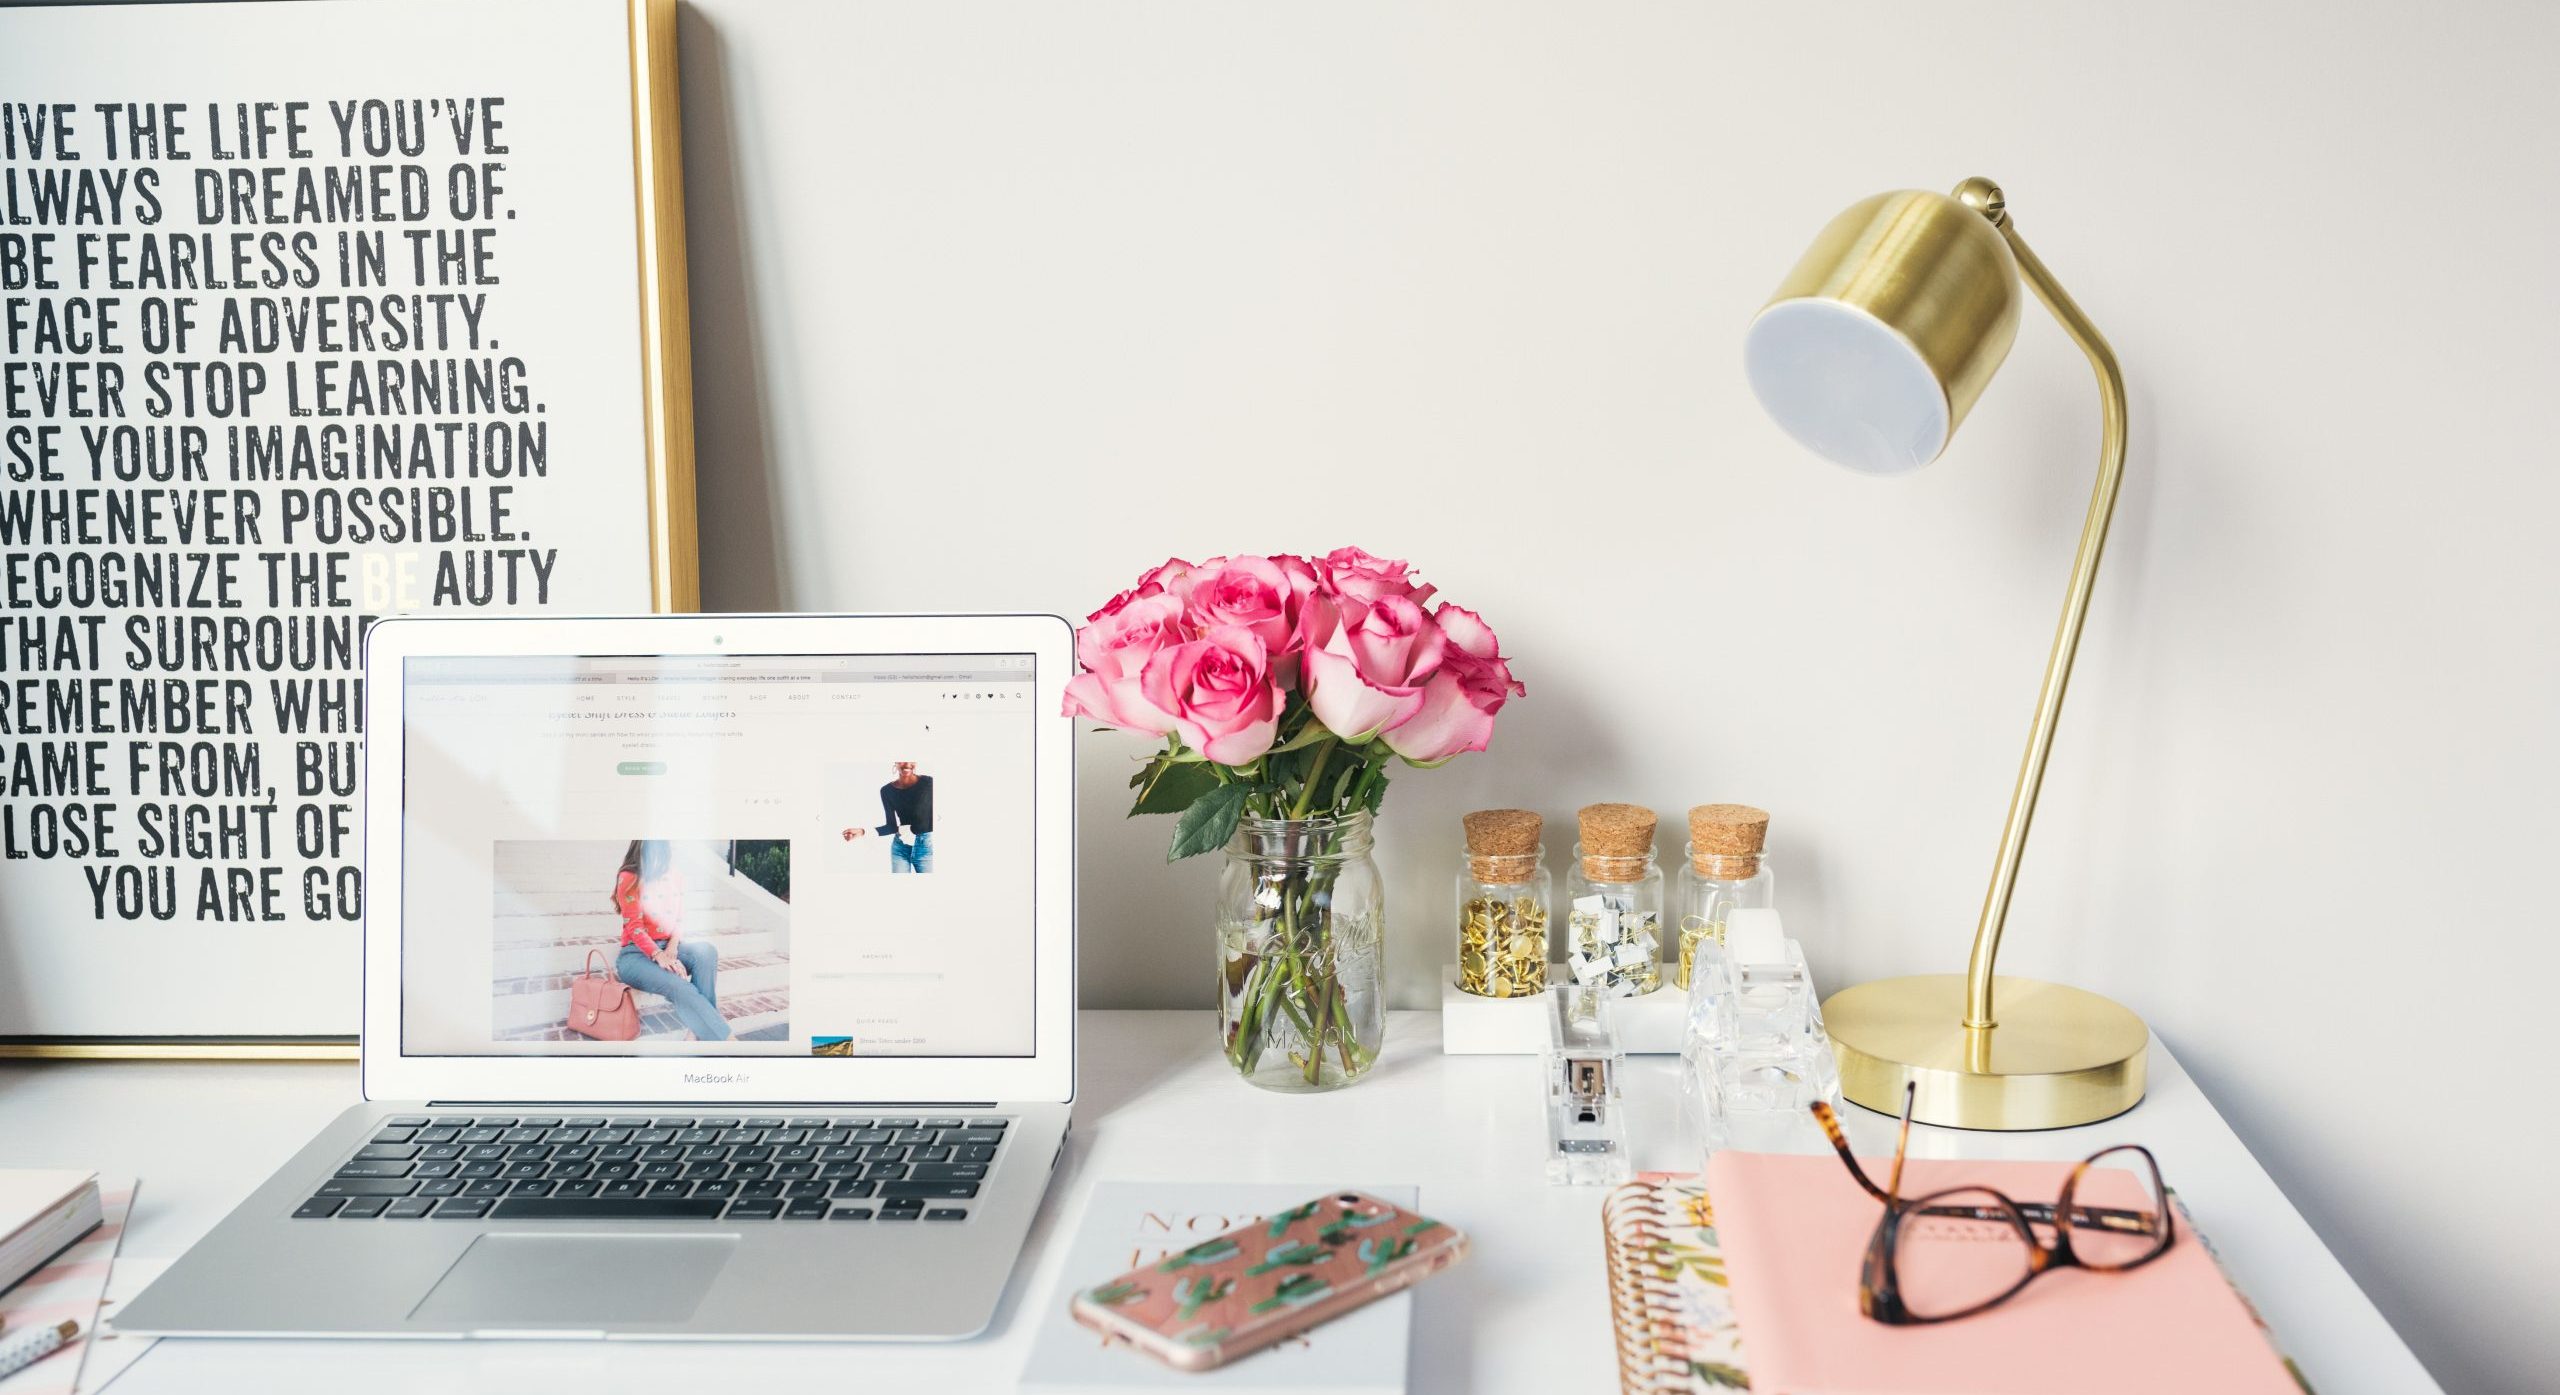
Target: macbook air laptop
point(719, 982)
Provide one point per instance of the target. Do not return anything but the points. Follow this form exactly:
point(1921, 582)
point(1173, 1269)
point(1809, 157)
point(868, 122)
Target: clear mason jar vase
point(1301, 952)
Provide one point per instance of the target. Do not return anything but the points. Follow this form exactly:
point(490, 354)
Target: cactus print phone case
point(1267, 1280)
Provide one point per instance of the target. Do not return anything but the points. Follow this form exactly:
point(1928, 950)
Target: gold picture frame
point(667, 434)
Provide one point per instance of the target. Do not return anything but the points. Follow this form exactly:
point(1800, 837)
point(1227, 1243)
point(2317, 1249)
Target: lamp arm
point(2066, 635)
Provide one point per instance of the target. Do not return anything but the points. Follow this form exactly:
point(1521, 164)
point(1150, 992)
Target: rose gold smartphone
point(1268, 1279)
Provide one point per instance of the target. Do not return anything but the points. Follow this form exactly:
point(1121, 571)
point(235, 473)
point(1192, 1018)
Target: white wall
point(996, 304)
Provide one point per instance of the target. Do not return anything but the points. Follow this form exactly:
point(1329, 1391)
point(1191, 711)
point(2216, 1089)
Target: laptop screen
point(718, 855)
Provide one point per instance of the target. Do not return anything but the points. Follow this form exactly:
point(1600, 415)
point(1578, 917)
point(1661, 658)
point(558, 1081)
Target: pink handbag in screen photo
point(600, 1005)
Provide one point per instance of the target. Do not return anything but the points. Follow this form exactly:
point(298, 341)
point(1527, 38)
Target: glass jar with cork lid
point(1503, 894)
point(1614, 929)
point(1724, 871)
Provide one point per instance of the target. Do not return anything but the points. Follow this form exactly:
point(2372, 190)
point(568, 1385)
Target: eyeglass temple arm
point(1902, 1140)
point(1840, 1144)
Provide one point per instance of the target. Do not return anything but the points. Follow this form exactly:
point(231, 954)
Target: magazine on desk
point(1128, 1224)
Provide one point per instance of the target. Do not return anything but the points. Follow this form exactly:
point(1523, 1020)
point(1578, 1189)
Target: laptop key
point(898, 1123)
point(855, 1187)
point(889, 1215)
point(485, 1190)
point(442, 1186)
point(364, 1208)
point(463, 1208)
point(946, 1213)
point(929, 1190)
point(365, 1186)
point(409, 1208)
point(764, 1123)
point(969, 1136)
point(375, 1169)
point(408, 1121)
point(390, 1136)
point(436, 1169)
point(950, 1172)
point(812, 1208)
point(564, 1208)
point(853, 1213)
point(977, 1153)
point(756, 1209)
point(318, 1208)
point(946, 1123)
point(591, 1121)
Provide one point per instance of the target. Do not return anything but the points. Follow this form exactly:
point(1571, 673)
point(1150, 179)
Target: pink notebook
point(1794, 1229)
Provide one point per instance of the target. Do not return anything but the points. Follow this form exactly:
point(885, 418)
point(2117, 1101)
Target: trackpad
point(576, 1281)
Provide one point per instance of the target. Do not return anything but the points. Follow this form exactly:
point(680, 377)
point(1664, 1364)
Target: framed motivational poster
point(315, 313)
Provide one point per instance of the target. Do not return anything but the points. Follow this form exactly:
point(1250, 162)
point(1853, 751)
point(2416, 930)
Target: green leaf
point(1376, 794)
point(1169, 787)
point(1308, 735)
point(1209, 822)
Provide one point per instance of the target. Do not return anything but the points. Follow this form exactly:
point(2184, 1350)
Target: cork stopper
point(1612, 834)
point(1725, 840)
point(1502, 844)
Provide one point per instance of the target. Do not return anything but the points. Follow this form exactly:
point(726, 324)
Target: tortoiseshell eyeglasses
point(1953, 1253)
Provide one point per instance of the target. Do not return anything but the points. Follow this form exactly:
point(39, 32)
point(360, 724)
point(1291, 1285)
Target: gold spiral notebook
point(1673, 1314)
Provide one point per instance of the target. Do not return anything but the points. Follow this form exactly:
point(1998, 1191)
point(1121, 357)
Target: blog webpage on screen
point(774, 856)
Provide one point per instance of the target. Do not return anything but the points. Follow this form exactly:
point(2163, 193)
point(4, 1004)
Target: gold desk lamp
point(1870, 354)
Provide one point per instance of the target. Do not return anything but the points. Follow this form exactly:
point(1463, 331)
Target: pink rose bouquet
point(1284, 688)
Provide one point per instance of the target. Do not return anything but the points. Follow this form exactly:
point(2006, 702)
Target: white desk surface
point(1528, 1312)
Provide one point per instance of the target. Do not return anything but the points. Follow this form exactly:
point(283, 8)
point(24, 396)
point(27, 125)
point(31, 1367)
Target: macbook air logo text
point(715, 1077)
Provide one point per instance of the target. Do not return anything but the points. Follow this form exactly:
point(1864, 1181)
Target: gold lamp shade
point(1880, 340)
point(1870, 354)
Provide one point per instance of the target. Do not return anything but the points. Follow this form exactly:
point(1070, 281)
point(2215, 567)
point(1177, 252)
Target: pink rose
point(1113, 649)
point(1267, 595)
point(1354, 573)
point(1220, 692)
point(1366, 663)
point(1167, 577)
point(1461, 697)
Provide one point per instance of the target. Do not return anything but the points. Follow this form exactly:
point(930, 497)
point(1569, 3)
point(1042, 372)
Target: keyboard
point(604, 1167)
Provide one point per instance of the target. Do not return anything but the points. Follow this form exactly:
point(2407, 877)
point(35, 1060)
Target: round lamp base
point(2059, 1057)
